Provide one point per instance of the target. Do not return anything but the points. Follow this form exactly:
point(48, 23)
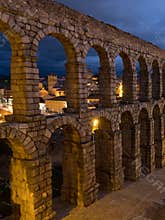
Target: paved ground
point(141, 200)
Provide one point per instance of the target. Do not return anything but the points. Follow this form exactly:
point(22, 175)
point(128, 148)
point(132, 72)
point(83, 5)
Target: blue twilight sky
point(144, 18)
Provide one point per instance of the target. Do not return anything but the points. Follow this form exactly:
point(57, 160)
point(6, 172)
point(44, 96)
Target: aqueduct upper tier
point(26, 23)
point(101, 148)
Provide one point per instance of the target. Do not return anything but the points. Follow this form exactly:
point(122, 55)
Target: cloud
point(144, 18)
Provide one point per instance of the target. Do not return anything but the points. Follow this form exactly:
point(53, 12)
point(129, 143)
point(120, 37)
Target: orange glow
point(119, 90)
point(95, 125)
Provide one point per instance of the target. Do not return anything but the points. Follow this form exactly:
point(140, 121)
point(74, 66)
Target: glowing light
point(95, 125)
point(42, 107)
point(119, 91)
point(66, 105)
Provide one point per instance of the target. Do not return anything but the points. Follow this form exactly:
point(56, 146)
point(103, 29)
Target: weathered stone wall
point(28, 23)
point(25, 23)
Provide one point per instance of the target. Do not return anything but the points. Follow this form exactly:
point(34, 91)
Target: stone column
point(113, 82)
point(135, 95)
point(133, 156)
point(151, 147)
point(24, 87)
point(117, 170)
point(87, 189)
point(40, 184)
point(161, 82)
point(150, 86)
point(149, 66)
point(136, 166)
point(106, 86)
point(144, 83)
point(156, 80)
point(163, 141)
point(76, 91)
point(31, 191)
point(79, 180)
point(129, 81)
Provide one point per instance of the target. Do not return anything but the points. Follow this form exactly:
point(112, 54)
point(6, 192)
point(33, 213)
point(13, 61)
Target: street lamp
point(95, 126)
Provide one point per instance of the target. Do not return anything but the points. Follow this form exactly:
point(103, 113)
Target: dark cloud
point(143, 18)
point(5, 56)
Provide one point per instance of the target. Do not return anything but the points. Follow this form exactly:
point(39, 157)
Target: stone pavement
point(141, 200)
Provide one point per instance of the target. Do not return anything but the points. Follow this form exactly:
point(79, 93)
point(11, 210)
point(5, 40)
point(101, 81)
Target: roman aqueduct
point(130, 134)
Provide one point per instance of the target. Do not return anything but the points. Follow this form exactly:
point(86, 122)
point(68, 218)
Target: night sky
point(143, 18)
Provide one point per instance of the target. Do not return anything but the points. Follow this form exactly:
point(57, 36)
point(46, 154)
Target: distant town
point(52, 94)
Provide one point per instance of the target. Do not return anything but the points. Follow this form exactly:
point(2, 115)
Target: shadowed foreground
point(138, 201)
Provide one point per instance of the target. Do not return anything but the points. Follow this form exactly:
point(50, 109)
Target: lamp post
point(95, 126)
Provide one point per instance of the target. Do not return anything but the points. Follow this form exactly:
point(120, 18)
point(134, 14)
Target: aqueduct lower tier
point(129, 136)
point(128, 143)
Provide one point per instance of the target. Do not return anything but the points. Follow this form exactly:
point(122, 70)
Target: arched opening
point(119, 67)
point(59, 81)
point(5, 193)
point(63, 152)
point(164, 121)
point(143, 79)
point(93, 62)
point(16, 200)
point(128, 145)
point(155, 80)
point(138, 79)
point(6, 98)
point(18, 73)
point(124, 75)
point(92, 79)
point(104, 148)
point(145, 148)
point(99, 82)
point(157, 137)
point(163, 80)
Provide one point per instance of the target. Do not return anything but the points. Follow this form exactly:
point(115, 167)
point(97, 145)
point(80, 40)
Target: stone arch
point(68, 156)
point(23, 153)
point(109, 116)
point(104, 74)
point(104, 154)
point(163, 80)
point(128, 145)
point(155, 80)
point(131, 111)
point(73, 132)
point(164, 121)
point(22, 145)
point(100, 47)
point(5, 179)
point(102, 52)
point(65, 37)
point(145, 136)
point(157, 136)
point(10, 27)
point(127, 77)
point(144, 80)
point(72, 65)
point(58, 122)
point(18, 42)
